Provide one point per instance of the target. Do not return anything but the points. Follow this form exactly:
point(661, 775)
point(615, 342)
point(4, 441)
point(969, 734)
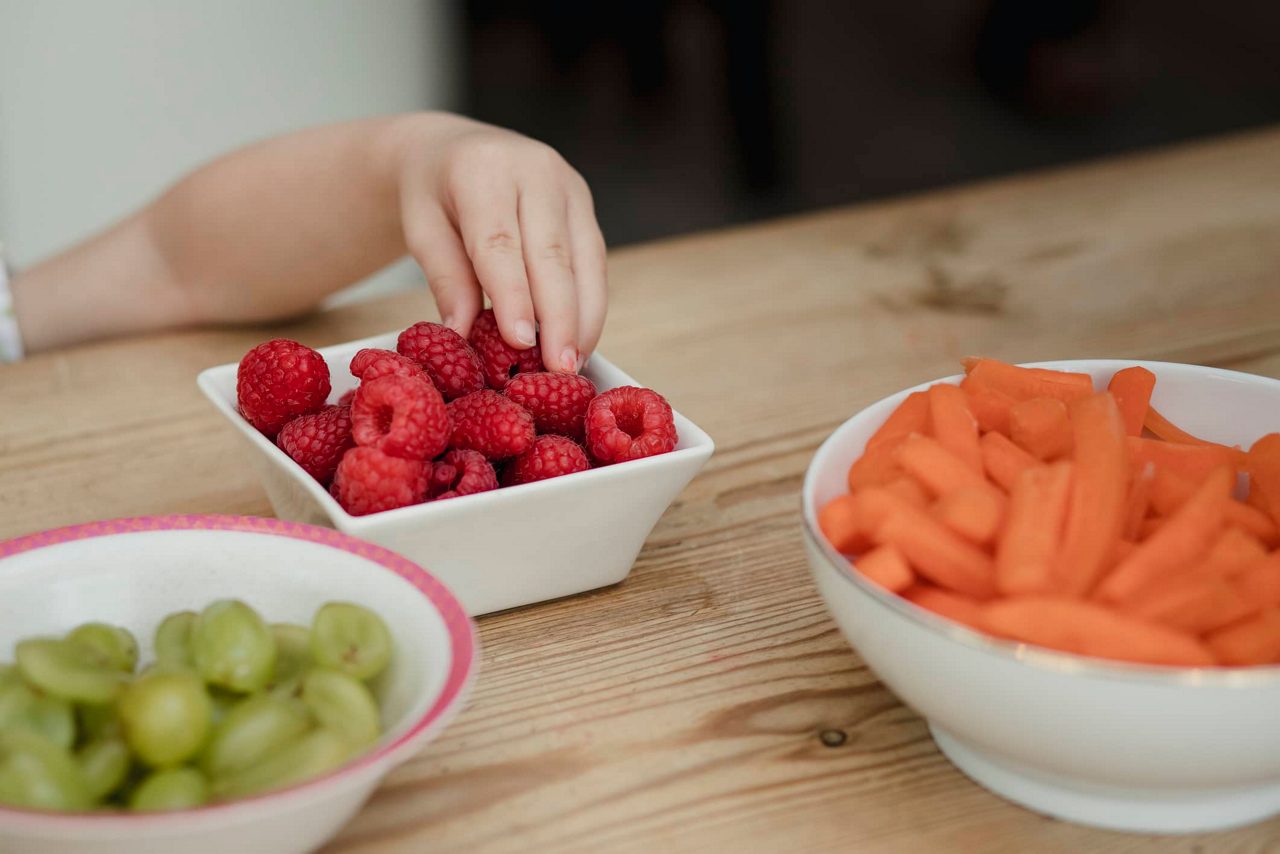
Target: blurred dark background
point(690, 114)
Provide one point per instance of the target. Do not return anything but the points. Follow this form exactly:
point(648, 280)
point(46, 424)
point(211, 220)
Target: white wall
point(102, 104)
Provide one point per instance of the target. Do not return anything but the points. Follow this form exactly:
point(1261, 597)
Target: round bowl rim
point(1030, 655)
point(463, 658)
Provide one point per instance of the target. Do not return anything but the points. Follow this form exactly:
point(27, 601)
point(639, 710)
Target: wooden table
point(691, 707)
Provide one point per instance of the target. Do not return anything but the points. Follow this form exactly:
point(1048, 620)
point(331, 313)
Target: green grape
point(233, 647)
point(313, 754)
point(350, 638)
point(64, 670)
point(37, 774)
point(251, 730)
point(343, 704)
point(98, 722)
point(38, 713)
point(104, 765)
point(8, 676)
point(223, 702)
point(173, 639)
point(108, 646)
point(165, 716)
point(293, 652)
point(173, 789)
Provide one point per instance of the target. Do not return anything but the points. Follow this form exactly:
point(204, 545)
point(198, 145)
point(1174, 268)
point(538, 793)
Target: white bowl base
point(1106, 807)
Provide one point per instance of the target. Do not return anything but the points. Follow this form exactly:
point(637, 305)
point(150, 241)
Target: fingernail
point(525, 334)
point(582, 360)
point(569, 359)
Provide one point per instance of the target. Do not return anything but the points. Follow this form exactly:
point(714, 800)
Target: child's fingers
point(438, 249)
point(589, 268)
point(486, 206)
point(549, 262)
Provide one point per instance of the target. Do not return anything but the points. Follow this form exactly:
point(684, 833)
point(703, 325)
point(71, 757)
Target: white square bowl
point(501, 549)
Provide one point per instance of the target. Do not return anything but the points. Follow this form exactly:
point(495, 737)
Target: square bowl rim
point(697, 446)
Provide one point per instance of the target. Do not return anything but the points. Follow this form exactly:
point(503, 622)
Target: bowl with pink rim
point(133, 572)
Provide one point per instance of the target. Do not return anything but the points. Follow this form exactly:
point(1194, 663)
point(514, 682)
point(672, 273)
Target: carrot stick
point(1085, 628)
point(1024, 383)
point(839, 521)
point(877, 466)
point(1192, 604)
point(989, 406)
point(1257, 500)
point(871, 506)
point(1233, 552)
point(1260, 584)
point(1138, 502)
point(1003, 460)
point(1033, 533)
point(1186, 537)
point(937, 468)
point(911, 416)
point(945, 603)
point(1123, 549)
point(1263, 464)
point(910, 490)
point(1149, 527)
point(1095, 509)
point(1253, 521)
point(1201, 602)
point(1041, 426)
point(1132, 389)
point(1255, 641)
point(887, 567)
point(1170, 432)
point(1169, 490)
point(974, 513)
point(1193, 462)
point(954, 426)
point(937, 553)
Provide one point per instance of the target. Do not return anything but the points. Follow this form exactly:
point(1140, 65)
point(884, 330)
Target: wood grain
point(686, 709)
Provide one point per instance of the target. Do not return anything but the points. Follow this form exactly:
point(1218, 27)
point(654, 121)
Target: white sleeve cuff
point(10, 336)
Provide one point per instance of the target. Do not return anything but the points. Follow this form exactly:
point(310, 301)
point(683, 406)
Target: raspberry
point(369, 481)
point(373, 362)
point(400, 416)
point(461, 472)
point(279, 380)
point(445, 356)
point(500, 360)
point(370, 363)
point(628, 423)
point(317, 441)
point(549, 456)
point(346, 398)
point(557, 402)
point(487, 422)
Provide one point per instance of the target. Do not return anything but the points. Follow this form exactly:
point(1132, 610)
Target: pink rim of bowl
point(1027, 654)
point(461, 638)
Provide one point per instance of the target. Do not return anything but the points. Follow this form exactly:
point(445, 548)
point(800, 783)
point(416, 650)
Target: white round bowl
point(133, 572)
point(1125, 747)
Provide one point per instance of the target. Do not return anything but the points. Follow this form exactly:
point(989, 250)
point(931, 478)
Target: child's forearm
point(261, 233)
point(269, 231)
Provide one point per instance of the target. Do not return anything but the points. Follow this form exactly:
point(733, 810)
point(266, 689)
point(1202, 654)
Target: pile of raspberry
point(443, 416)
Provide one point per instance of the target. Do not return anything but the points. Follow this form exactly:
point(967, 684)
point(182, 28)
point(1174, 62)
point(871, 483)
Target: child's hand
point(487, 211)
